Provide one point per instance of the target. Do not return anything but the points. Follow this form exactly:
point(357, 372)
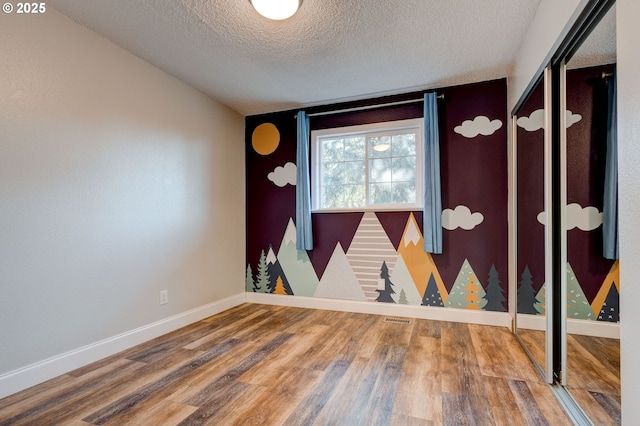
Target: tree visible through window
point(371, 166)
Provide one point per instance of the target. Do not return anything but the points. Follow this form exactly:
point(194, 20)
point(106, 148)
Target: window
point(374, 166)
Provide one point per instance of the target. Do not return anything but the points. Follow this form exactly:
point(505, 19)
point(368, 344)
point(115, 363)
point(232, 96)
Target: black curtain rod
point(364, 108)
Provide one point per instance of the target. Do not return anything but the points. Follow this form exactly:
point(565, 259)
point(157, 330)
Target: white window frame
point(368, 130)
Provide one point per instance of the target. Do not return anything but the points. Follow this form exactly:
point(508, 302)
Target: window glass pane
point(332, 174)
point(380, 193)
point(332, 196)
point(380, 170)
point(354, 148)
point(404, 192)
point(353, 172)
point(354, 196)
point(379, 146)
point(404, 169)
point(343, 196)
point(403, 145)
point(369, 165)
point(332, 150)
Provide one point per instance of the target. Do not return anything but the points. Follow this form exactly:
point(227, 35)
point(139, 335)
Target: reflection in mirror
point(530, 263)
point(593, 285)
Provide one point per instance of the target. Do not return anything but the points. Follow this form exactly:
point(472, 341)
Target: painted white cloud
point(585, 219)
point(480, 125)
point(572, 118)
point(535, 121)
point(461, 217)
point(283, 175)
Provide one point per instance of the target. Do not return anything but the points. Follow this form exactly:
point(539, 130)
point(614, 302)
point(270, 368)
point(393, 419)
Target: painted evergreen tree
point(526, 293)
point(262, 280)
point(610, 308)
point(403, 298)
point(385, 294)
point(541, 297)
point(495, 293)
point(249, 279)
point(472, 289)
point(432, 294)
point(459, 296)
point(578, 307)
point(279, 289)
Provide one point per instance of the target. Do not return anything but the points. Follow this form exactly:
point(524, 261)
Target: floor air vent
point(397, 320)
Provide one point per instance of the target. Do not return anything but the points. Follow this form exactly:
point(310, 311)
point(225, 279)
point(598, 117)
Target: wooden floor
point(593, 373)
point(268, 365)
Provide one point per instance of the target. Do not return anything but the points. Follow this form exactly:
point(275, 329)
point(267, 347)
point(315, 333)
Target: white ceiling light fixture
point(276, 9)
point(381, 147)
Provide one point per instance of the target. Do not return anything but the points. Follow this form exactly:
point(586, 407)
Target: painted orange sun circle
point(265, 138)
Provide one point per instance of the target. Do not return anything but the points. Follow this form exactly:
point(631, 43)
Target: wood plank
point(382, 399)
point(216, 401)
point(502, 400)
point(108, 390)
point(534, 340)
point(234, 373)
point(348, 402)
point(499, 355)
point(282, 396)
point(420, 388)
point(138, 395)
point(528, 405)
point(106, 377)
point(456, 410)
point(309, 408)
point(586, 372)
point(610, 405)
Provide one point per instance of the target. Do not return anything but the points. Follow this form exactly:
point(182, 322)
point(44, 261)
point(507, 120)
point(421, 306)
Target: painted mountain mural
point(296, 264)
point(432, 296)
point(467, 291)
point(338, 280)
point(610, 311)
point(404, 285)
point(369, 249)
point(578, 306)
point(420, 264)
point(541, 298)
point(607, 302)
point(276, 274)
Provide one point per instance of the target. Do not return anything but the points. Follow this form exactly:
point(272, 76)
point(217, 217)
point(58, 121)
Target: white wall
point(553, 18)
point(628, 39)
point(116, 181)
point(532, 56)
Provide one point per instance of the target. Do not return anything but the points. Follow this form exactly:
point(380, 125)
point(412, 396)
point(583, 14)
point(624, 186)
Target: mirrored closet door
point(591, 286)
point(566, 266)
point(532, 257)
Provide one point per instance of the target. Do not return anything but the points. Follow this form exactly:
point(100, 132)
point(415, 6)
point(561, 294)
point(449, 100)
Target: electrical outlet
point(164, 297)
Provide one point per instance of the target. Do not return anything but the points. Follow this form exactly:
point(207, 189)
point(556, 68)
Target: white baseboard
point(610, 330)
point(17, 380)
point(501, 319)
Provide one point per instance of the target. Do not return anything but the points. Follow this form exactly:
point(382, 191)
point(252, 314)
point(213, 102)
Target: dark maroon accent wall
point(586, 159)
point(530, 192)
point(586, 156)
point(473, 172)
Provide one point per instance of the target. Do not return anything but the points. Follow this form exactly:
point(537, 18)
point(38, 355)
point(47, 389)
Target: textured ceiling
point(331, 50)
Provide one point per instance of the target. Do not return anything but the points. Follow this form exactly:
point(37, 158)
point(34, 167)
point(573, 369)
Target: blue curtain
point(610, 208)
point(432, 209)
point(304, 235)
